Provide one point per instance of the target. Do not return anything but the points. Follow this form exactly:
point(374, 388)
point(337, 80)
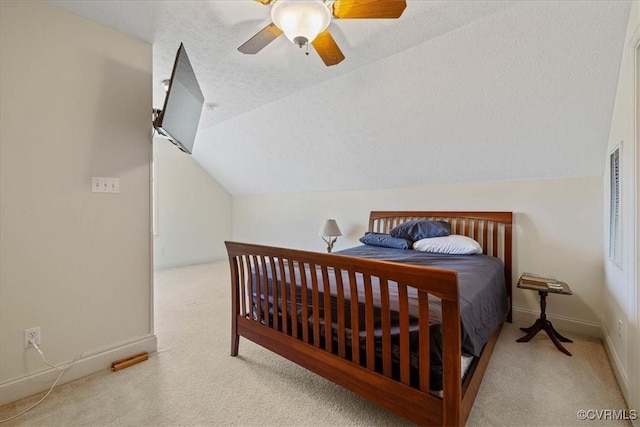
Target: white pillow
point(454, 244)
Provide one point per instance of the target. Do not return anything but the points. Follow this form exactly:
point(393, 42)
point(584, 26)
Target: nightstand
point(544, 286)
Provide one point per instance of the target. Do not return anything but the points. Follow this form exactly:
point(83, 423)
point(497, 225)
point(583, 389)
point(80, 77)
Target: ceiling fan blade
point(327, 48)
point(265, 2)
point(265, 36)
point(359, 9)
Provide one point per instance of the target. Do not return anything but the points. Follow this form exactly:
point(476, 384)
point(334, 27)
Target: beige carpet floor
point(192, 380)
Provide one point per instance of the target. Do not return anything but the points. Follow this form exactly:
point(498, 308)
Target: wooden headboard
point(491, 229)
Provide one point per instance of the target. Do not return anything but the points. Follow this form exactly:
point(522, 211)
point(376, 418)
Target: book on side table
point(540, 283)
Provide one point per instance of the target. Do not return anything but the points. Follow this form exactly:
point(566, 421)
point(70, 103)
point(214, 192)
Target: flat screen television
point(178, 120)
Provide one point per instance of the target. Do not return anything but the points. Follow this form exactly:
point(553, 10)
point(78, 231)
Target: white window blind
point(615, 242)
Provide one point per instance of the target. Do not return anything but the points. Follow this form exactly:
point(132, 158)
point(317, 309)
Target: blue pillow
point(419, 229)
point(385, 241)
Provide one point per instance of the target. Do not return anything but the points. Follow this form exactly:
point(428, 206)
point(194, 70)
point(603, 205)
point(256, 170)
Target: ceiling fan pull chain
point(306, 45)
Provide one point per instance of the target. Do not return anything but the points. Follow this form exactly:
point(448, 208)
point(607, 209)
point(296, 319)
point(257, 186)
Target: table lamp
point(329, 233)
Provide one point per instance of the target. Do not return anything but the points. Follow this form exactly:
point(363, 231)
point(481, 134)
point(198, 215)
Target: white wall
point(75, 102)
point(556, 231)
point(620, 288)
point(193, 211)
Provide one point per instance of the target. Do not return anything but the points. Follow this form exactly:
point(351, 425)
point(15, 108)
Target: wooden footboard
point(306, 307)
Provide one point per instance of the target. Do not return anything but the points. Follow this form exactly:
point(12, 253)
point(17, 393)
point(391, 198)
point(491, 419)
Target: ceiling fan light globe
point(301, 21)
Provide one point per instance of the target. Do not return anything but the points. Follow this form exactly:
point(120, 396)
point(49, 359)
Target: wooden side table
point(544, 286)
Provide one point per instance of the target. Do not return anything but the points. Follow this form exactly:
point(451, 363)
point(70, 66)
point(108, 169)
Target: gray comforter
point(483, 295)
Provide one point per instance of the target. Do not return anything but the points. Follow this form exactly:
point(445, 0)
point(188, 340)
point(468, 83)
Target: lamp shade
point(330, 229)
point(301, 21)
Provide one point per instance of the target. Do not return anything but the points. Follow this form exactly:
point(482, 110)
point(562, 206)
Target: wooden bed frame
point(302, 341)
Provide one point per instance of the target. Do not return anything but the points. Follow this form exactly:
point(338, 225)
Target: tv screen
point(178, 120)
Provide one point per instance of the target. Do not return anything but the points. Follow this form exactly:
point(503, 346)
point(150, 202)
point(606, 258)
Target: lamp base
point(330, 243)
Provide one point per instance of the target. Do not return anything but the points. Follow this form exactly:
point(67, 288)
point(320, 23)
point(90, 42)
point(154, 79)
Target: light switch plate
point(97, 185)
point(101, 184)
point(113, 185)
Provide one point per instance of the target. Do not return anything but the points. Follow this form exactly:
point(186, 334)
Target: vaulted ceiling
point(453, 91)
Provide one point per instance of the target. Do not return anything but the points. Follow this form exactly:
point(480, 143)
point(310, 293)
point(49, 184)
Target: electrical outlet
point(619, 328)
point(31, 334)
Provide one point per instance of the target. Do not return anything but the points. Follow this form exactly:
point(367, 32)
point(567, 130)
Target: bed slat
point(283, 292)
point(304, 296)
point(386, 327)
point(355, 319)
point(241, 263)
point(405, 355)
point(274, 287)
point(340, 314)
point(315, 304)
point(294, 298)
point(494, 246)
point(265, 303)
point(326, 308)
point(423, 340)
point(369, 325)
point(258, 285)
point(485, 242)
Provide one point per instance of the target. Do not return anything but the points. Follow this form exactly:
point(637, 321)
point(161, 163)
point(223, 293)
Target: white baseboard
point(184, 263)
point(562, 323)
point(88, 364)
point(621, 375)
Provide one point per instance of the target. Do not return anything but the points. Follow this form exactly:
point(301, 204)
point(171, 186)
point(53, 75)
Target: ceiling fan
point(306, 21)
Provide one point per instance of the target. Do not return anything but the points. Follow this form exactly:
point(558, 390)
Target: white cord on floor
point(58, 368)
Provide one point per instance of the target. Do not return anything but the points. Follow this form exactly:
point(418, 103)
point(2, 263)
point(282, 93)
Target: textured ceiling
point(450, 92)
